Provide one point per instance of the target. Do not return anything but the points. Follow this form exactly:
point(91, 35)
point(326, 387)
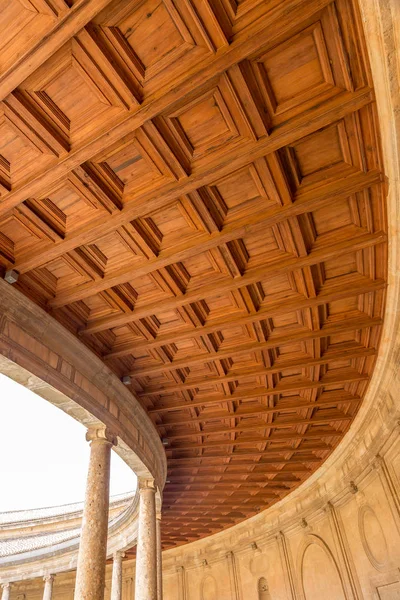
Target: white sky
point(44, 456)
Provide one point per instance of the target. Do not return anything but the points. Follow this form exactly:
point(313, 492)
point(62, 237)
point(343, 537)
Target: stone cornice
point(98, 397)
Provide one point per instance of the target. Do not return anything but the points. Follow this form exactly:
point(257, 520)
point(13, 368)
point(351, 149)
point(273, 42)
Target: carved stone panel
point(372, 537)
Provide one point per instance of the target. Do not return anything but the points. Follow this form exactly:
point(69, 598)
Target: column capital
point(118, 554)
point(5, 586)
point(49, 578)
point(147, 484)
point(328, 507)
point(101, 434)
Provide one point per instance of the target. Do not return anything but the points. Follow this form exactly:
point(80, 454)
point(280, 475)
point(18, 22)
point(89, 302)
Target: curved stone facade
point(41, 354)
point(46, 541)
point(25, 531)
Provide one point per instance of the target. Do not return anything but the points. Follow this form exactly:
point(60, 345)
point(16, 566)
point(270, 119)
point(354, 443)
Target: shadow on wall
point(263, 590)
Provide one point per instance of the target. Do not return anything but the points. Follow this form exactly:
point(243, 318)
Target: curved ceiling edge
point(32, 339)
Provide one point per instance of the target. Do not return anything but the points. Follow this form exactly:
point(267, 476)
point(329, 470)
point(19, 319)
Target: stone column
point(90, 572)
point(116, 584)
point(6, 587)
point(48, 587)
point(146, 552)
point(159, 558)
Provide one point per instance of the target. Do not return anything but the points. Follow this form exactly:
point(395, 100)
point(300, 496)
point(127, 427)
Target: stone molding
point(40, 353)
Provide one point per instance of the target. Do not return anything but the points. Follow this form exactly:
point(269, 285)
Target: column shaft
point(159, 559)
point(48, 587)
point(90, 574)
point(116, 584)
point(146, 555)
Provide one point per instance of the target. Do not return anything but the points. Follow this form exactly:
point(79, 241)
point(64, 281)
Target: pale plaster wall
point(338, 536)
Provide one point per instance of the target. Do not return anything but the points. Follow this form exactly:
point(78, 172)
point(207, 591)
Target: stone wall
point(344, 547)
point(340, 548)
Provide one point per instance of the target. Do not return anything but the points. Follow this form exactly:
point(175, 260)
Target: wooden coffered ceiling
point(195, 188)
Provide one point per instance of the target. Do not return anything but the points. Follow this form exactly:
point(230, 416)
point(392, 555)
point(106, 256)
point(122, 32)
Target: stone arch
point(263, 589)
point(319, 571)
point(42, 355)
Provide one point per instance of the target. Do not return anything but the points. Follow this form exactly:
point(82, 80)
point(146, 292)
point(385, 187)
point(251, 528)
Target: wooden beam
point(327, 399)
point(257, 427)
point(344, 377)
point(213, 470)
point(176, 510)
point(62, 29)
point(279, 366)
point(209, 479)
point(307, 202)
point(355, 243)
point(215, 495)
point(226, 485)
point(262, 440)
point(239, 514)
point(254, 453)
point(289, 470)
point(235, 500)
point(203, 72)
point(327, 329)
point(205, 519)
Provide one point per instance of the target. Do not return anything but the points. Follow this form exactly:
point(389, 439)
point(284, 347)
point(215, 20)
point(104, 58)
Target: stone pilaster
point(90, 574)
point(182, 583)
point(234, 576)
point(287, 566)
point(48, 587)
point(348, 568)
point(116, 584)
point(159, 559)
point(146, 555)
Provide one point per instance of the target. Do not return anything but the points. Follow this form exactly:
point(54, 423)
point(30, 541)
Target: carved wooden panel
point(195, 189)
